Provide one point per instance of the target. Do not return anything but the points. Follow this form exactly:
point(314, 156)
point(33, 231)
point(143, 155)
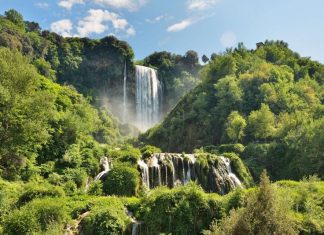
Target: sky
point(206, 26)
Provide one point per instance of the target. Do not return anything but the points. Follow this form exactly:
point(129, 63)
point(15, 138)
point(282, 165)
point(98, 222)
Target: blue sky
point(206, 26)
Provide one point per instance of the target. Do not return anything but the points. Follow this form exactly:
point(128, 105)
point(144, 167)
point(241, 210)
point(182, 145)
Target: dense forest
point(68, 165)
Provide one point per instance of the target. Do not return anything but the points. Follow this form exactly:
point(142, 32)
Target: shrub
point(78, 176)
point(123, 181)
point(235, 148)
point(54, 178)
point(20, 222)
point(182, 210)
point(35, 217)
point(148, 150)
point(39, 191)
point(95, 188)
point(106, 218)
point(70, 187)
point(127, 154)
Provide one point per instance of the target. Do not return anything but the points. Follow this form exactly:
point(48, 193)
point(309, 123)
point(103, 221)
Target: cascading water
point(125, 95)
point(106, 165)
point(136, 227)
point(232, 176)
point(174, 169)
point(148, 97)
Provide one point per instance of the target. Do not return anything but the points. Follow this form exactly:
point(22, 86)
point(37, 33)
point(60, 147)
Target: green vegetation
point(122, 180)
point(268, 99)
point(260, 108)
point(179, 74)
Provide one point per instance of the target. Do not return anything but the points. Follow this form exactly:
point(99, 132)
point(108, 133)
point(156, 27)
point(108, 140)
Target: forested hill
point(95, 67)
point(269, 100)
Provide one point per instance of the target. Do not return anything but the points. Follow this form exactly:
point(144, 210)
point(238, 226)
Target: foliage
point(269, 97)
point(122, 181)
point(95, 188)
point(183, 210)
point(36, 190)
point(178, 74)
point(148, 150)
point(35, 217)
point(109, 218)
point(263, 214)
point(125, 155)
point(235, 126)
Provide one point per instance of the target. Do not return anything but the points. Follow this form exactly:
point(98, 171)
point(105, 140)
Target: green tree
point(122, 181)
point(263, 214)
point(25, 111)
point(261, 123)
point(15, 17)
point(235, 126)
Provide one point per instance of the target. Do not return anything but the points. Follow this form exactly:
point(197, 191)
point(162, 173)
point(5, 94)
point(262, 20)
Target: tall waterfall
point(125, 95)
point(172, 169)
point(148, 97)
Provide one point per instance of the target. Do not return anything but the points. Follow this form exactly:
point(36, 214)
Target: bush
point(107, 218)
point(20, 222)
point(78, 176)
point(182, 210)
point(228, 148)
point(35, 217)
point(148, 150)
point(33, 191)
point(70, 187)
point(123, 181)
point(127, 154)
point(95, 188)
point(48, 212)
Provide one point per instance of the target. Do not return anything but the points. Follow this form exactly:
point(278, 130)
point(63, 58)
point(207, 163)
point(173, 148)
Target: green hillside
point(269, 99)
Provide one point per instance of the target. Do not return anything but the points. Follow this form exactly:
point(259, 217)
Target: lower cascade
point(106, 167)
point(171, 169)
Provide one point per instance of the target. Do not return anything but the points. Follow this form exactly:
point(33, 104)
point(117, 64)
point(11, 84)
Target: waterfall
point(144, 173)
point(125, 95)
point(105, 163)
point(232, 176)
point(148, 97)
point(178, 169)
point(136, 228)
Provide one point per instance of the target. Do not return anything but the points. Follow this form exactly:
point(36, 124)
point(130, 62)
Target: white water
point(105, 163)
point(135, 228)
point(148, 97)
point(125, 95)
point(145, 173)
point(180, 169)
point(232, 176)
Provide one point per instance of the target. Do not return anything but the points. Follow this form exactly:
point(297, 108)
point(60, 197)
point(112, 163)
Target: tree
point(235, 126)
point(261, 123)
point(15, 17)
point(205, 59)
point(191, 58)
point(263, 214)
point(25, 110)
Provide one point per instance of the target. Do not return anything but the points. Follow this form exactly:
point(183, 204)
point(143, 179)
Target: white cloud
point(68, 4)
point(131, 5)
point(96, 22)
point(181, 25)
point(228, 39)
point(201, 4)
point(158, 19)
point(42, 5)
point(62, 27)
